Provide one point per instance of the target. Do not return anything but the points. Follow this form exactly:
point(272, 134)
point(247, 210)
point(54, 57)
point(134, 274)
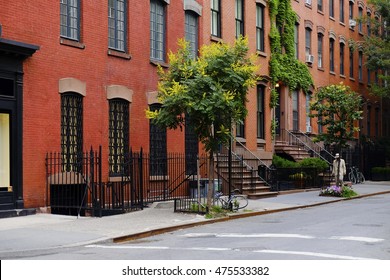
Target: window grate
point(158, 147)
point(118, 135)
point(71, 131)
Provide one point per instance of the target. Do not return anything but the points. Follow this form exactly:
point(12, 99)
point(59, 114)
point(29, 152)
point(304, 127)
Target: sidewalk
point(47, 231)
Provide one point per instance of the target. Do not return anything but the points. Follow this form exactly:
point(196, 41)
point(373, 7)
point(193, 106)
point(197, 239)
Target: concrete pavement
point(48, 231)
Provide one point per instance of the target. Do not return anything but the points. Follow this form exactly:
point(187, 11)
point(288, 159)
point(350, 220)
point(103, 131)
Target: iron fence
point(78, 188)
point(300, 178)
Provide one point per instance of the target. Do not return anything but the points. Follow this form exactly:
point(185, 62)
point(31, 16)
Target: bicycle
point(355, 176)
point(234, 202)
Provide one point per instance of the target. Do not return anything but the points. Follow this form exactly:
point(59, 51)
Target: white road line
point(301, 253)
point(283, 235)
point(358, 238)
point(259, 235)
point(313, 254)
point(158, 248)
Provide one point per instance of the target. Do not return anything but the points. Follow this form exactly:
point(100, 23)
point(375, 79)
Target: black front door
point(12, 55)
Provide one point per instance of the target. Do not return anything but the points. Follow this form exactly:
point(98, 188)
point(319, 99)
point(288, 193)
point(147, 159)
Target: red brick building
point(82, 73)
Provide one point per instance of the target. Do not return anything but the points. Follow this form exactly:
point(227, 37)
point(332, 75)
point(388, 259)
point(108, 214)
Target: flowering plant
point(332, 191)
point(344, 191)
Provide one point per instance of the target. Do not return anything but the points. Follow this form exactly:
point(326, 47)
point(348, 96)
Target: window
point(118, 135)
point(360, 66)
point(239, 18)
point(295, 112)
point(191, 147)
point(319, 5)
point(71, 131)
point(216, 18)
point(320, 127)
point(5, 147)
point(341, 11)
point(368, 24)
point(351, 62)
point(331, 8)
point(296, 40)
point(368, 120)
point(368, 76)
point(240, 129)
point(70, 19)
point(360, 13)
point(191, 32)
point(376, 121)
point(260, 27)
point(260, 112)
point(320, 49)
point(157, 30)
point(117, 22)
point(308, 41)
point(342, 49)
point(158, 147)
point(350, 9)
point(308, 119)
point(331, 54)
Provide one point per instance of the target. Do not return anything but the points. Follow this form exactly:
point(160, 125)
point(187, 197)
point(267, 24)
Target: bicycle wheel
point(239, 202)
point(222, 201)
point(352, 178)
point(361, 178)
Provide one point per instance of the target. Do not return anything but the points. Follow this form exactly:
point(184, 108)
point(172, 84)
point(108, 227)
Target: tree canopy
point(376, 47)
point(337, 108)
point(210, 90)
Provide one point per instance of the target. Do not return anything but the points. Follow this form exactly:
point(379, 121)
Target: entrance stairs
point(299, 145)
point(243, 177)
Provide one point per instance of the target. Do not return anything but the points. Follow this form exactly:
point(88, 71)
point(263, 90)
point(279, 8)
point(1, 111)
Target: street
point(350, 230)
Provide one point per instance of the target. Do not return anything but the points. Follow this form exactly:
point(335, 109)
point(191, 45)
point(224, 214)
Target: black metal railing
point(301, 140)
point(300, 178)
point(84, 192)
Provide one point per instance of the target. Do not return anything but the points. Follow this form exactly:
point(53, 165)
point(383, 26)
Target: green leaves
point(337, 108)
point(211, 90)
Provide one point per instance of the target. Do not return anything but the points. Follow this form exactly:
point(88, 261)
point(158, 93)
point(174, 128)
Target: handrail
point(254, 157)
point(251, 156)
point(309, 140)
point(307, 148)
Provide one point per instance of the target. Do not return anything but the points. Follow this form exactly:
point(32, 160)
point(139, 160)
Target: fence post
point(91, 180)
point(141, 179)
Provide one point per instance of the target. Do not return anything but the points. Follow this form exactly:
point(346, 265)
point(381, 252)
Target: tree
point(376, 47)
point(337, 108)
point(210, 91)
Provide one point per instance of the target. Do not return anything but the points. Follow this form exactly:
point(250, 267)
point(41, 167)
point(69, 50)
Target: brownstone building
point(82, 73)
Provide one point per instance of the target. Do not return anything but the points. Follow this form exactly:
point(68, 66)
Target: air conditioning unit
point(308, 2)
point(352, 23)
point(309, 58)
point(308, 129)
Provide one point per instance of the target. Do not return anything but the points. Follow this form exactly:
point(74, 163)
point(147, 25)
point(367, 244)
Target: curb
point(153, 232)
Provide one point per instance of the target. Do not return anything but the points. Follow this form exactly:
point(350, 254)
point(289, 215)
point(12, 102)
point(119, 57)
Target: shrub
point(313, 162)
point(283, 163)
point(380, 170)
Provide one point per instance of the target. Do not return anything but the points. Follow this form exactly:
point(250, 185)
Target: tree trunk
point(210, 188)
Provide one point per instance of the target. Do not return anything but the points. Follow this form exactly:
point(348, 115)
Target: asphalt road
point(349, 230)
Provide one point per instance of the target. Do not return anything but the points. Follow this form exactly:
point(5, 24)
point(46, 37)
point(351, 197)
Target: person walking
point(339, 170)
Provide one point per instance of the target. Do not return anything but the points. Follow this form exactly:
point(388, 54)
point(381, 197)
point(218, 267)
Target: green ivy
point(284, 67)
